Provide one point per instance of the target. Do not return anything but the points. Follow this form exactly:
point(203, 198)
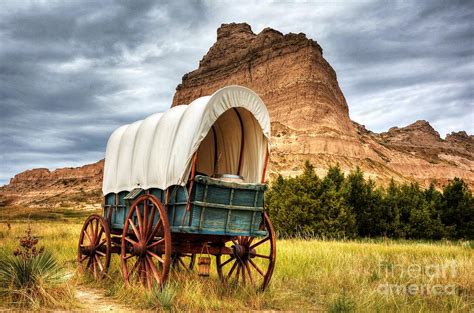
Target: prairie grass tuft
point(342, 304)
point(158, 298)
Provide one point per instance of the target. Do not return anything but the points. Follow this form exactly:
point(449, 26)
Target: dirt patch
point(95, 300)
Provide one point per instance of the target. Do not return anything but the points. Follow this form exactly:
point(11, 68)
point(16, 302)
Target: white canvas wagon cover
point(229, 130)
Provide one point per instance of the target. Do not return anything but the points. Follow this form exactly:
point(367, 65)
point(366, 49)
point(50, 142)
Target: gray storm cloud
point(71, 72)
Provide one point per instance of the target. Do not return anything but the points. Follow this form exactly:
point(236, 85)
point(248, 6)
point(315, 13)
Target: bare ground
point(95, 300)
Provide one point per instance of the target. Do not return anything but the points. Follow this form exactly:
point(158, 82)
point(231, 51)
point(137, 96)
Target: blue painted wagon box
point(216, 208)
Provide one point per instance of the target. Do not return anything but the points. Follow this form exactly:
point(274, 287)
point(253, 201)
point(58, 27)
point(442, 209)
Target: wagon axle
point(242, 251)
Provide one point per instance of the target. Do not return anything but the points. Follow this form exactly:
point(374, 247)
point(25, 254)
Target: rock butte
point(310, 116)
point(310, 121)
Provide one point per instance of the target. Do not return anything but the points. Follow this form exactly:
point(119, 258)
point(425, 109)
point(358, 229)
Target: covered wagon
point(187, 182)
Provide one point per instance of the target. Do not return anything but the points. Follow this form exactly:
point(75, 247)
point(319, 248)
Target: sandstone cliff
point(66, 187)
point(310, 121)
point(310, 118)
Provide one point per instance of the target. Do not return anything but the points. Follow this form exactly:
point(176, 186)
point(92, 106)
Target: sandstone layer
point(310, 121)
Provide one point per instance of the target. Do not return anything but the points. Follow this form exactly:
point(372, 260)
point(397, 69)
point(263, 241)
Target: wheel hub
point(140, 249)
point(243, 251)
point(88, 250)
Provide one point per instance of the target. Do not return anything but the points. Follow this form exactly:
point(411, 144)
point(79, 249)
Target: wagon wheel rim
point(253, 259)
point(94, 248)
point(146, 244)
point(183, 262)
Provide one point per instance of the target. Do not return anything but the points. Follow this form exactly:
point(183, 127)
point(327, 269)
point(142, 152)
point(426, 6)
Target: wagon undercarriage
point(149, 251)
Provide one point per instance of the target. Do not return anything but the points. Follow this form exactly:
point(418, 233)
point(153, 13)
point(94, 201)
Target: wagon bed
point(216, 207)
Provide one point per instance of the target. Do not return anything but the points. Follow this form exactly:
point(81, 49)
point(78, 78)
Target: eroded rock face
point(310, 118)
point(79, 186)
point(310, 121)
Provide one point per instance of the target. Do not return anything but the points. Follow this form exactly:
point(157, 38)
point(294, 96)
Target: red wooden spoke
point(148, 272)
point(262, 256)
point(139, 217)
point(135, 230)
point(99, 263)
point(134, 267)
point(259, 243)
point(155, 230)
point(156, 256)
point(83, 258)
point(232, 269)
point(145, 220)
point(152, 217)
point(226, 262)
point(100, 252)
point(101, 243)
point(243, 273)
point(249, 273)
point(101, 232)
point(256, 267)
point(154, 244)
point(139, 270)
point(129, 256)
point(143, 272)
point(92, 231)
point(249, 241)
point(133, 242)
point(153, 269)
point(88, 236)
point(95, 269)
point(238, 272)
point(96, 232)
point(89, 262)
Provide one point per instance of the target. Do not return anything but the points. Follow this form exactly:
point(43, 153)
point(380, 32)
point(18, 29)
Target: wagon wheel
point(253, 258)
point(146, 243)
point(183, 261)
point(93, 253)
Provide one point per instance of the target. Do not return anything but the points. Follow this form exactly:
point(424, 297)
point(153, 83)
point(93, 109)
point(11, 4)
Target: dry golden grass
point(336, 276)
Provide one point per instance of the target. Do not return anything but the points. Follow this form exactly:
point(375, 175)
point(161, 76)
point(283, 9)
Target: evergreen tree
point(365, 202)
point(457, 209)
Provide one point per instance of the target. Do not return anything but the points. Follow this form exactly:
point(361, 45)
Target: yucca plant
point(31, 276)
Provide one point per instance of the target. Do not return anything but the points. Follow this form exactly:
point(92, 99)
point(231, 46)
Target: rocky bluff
point(310, 121)
point(310, 116)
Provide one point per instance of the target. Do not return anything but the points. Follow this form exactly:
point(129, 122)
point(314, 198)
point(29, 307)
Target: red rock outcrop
point(79, 186)
point(310, 117)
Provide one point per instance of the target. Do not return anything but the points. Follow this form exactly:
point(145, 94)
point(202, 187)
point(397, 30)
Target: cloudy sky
point(72, 71)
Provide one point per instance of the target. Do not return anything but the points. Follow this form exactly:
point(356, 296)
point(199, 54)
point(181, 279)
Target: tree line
point(349, 206)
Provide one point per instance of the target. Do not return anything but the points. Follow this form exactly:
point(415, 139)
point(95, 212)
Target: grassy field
point(310, 275)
